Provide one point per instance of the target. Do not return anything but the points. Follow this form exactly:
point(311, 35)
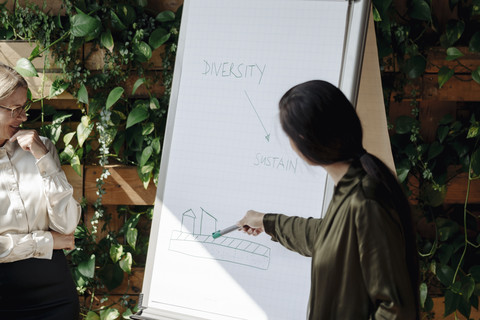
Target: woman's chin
point(13, 130)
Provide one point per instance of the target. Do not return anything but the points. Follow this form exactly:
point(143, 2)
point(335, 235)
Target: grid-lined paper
point(228, 155)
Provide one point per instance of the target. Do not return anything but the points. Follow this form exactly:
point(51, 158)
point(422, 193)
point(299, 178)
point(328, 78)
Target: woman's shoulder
point(372, 192)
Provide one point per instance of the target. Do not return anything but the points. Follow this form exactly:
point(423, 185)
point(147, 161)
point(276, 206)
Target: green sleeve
point(294, 233)
point(381, 248)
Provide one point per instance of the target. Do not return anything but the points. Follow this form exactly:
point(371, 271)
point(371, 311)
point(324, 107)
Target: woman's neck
point(337, 170)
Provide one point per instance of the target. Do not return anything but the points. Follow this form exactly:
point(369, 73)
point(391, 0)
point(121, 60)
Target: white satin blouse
point(35, 197)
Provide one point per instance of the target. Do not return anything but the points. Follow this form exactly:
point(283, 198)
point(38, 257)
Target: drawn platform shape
point(228, 249)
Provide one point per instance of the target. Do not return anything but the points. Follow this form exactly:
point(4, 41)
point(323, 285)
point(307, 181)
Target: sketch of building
point(224, 248)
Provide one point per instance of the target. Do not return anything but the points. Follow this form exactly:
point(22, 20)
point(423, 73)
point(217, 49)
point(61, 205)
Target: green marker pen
point(219, 233)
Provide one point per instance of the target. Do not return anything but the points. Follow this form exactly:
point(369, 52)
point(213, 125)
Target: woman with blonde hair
point(38, 216)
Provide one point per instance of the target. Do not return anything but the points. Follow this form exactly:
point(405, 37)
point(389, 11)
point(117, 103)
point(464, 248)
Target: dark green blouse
point(359, 268)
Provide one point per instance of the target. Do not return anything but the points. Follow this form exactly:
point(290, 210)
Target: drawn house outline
point(186, 216)
point(225, 248)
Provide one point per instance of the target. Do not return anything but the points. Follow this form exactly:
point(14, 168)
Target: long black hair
point(325, 128)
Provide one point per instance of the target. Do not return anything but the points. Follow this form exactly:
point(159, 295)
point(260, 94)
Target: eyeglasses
point(15, 112)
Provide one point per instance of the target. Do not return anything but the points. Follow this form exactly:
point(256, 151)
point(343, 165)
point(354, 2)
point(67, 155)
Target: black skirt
point(38, 289)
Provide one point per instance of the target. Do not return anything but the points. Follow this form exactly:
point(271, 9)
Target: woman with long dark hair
point(364, 258)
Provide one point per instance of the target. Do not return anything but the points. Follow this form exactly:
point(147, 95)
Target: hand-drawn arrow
point(267, 134)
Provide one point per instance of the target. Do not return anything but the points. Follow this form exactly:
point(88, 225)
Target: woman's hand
point(63, 241)
point(252, 222)
point(29, 140)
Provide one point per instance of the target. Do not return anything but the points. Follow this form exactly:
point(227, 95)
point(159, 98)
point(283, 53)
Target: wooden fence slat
point(12, 50)
point(123, 186)
point(462, 88)
point(457, 190)
point(457, 88)
point(53, 7)
point(58, 104)
point(436, 58)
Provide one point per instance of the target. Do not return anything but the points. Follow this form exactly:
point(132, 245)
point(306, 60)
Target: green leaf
point(137, 115)
point(475, 272)
point(464, 307)
point(26, 68)
point(113, 96)
point(126, 315)
point(68, 137)
point(448, 230)
point(442, 133)
point(82, 25)
point(467, 288)
point(452, 301)
point(432, 196)
point(474, 44)
point(35, 53)
point(58, 87)
point(67, 153)
point(420, 10)
point(473, 131)
point(165, 16)
point(142, 51)
point(116, 22)
point(132, 234)
point(156, 145)
point(109, 314)
point(453, 53)
point(84, 129)
point(126, 263)
point(446, 119)
point(126, 13)
point(404, 124)
point(476, 75)
point(445, 274)
point(415, 66)
point(434, 150)
point(444, 74)
point(476, 162)
point(82, 94)
point(111, 275)
point(403, 168)
point(376, 15)
point(158, 37)
point(154, 104)
point(92, 316)
point(148, 128)
point(87, 268)
point(142, 3)
point(402, 174)
point(453, 32)
point(423, 294)
point(95, 34)
point(146, 153)
point(428, 304)
point(116, 252)
point(444, 253)
point(58, 21)
point(106, 39)
point(76, 165)
point(137, 84)
point(147, 168)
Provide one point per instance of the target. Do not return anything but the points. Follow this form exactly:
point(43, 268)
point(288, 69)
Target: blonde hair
point(10, 80)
